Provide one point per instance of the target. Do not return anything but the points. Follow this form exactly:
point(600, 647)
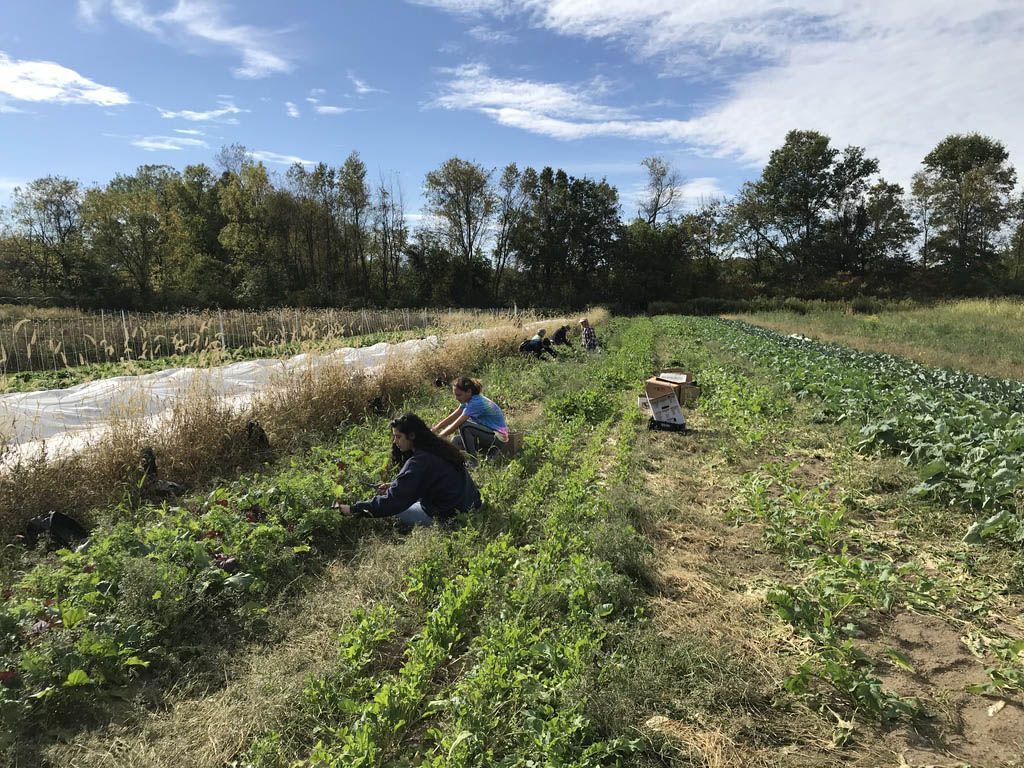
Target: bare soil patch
point(979, 730)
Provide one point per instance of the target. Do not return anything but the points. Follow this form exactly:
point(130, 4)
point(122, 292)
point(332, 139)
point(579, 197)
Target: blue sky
point(97, 87)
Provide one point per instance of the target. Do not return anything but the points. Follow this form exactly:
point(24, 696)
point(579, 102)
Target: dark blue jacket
point(443, 490)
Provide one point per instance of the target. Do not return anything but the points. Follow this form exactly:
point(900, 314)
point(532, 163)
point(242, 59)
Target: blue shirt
point(486, 413)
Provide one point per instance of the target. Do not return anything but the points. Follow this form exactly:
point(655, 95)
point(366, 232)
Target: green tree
point(48, 221)
point(128, 226)
point(197, 258)
point(247, 236)
point(459, 193)
point(970, 180)
point(511, 203)
point(354, 205)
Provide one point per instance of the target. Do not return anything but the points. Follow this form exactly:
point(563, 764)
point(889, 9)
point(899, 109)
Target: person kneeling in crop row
point(432, 485)
point(480, 422)
point(538, 344)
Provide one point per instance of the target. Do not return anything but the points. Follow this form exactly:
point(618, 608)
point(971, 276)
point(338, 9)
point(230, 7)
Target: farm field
point(977, 335)
point(52, 349)
point(786, 584)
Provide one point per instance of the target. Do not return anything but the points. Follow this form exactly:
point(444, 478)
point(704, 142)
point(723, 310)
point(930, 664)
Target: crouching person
point(432, 484)
point(480, 423)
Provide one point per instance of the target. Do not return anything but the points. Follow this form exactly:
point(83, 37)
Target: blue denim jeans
point(415, 515)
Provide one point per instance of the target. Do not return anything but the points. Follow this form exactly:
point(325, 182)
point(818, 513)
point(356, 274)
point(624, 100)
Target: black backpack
point(63, 530)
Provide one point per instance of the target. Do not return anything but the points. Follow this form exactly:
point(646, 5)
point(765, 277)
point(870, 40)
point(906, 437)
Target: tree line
point(819, 222)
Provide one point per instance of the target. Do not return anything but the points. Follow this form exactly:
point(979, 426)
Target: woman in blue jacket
point(433, 484)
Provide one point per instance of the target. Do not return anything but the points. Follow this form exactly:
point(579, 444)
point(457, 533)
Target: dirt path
point(713, 580)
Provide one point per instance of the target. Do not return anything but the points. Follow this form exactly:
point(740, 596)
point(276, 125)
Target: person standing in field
point(480, 423)
point(589, 338)
point(432, 483)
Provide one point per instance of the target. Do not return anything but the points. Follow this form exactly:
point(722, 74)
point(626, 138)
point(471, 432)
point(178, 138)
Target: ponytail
point(466, 384)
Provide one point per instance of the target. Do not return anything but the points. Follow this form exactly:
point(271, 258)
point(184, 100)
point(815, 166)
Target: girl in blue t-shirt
point(480, 423)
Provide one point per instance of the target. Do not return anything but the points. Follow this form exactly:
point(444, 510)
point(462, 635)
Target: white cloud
point(317, 91)
point(265, 156)
point(485, 34)
point(361, 87)
point(47, 81)
point(892, 77)
point(155, 143)
point(326, 109)
point(202, 22)
point(470, 7)
point(473, 87)
point(293, 111)
point(701, 188)
point(189, 131)
point(89, 9)
point(220, 115)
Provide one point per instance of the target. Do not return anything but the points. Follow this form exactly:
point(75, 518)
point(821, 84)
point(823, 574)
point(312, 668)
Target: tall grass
point(203, 436)
point(41, 339)
point(979, 335)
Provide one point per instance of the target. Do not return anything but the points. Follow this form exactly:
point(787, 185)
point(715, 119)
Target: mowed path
point(714, 577)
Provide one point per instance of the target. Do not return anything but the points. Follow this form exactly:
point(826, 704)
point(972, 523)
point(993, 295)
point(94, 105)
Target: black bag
point(63, 530)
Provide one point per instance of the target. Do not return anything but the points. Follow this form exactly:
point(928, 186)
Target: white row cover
point(67, 419)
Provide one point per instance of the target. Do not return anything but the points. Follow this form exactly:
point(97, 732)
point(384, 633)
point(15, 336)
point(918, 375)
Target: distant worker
point(561, 336)
point(589, 338)
point(538, 346)
point(432, 483)
point(480, 423)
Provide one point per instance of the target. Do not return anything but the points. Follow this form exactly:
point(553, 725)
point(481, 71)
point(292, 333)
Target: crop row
point(521, 616)
point(965, 433)
point(134, 602)
point(92, 619)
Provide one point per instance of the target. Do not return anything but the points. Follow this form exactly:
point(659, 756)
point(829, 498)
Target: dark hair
point(423, 439)
point(466, 384)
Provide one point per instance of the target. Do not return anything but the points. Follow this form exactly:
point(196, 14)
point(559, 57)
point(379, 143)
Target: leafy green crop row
point(513, 627)
point(848, 578)
point(88, 620)
point(964, 432)
point(851, 578)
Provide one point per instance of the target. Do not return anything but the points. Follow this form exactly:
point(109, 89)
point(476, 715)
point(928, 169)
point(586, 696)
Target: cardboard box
point(644, 404)
point(514, 444)
point(689, 394)
point(666, 410)
point(655, 388)
point(676, 375)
